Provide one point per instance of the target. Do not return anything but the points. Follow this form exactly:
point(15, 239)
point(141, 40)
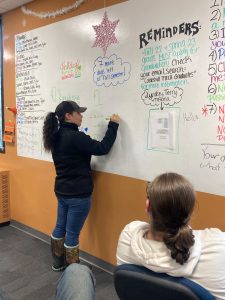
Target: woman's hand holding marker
point(115, 118)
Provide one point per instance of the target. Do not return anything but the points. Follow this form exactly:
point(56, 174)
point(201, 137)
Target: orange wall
point(116, 200)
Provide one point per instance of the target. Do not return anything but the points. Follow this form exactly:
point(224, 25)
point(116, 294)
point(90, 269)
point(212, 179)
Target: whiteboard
point(159, 65)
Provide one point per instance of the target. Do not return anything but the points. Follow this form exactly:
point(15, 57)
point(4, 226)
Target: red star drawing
point(205, 110)
point(105, 35)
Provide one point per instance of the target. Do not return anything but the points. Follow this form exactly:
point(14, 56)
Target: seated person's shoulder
point(124, 252)
point(210, 233)
point(135, 225)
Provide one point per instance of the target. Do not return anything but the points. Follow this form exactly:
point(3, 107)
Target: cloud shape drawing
point(110, 71)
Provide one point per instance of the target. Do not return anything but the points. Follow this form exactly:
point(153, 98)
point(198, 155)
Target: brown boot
point(57, 247)
point(71, 254)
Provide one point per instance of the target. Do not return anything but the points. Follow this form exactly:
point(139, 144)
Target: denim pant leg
point(60, 228)
point(76, 282)
point(78, 209)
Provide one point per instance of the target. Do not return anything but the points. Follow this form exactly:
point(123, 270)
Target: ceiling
point(6, 5)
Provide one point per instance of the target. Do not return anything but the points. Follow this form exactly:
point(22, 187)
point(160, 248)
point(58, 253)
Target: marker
point(107, 118)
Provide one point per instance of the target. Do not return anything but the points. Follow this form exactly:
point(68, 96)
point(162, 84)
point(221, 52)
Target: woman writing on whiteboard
point(71, 152)
point(168, 244)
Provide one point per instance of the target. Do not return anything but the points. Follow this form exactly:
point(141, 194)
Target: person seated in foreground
point(168, 244)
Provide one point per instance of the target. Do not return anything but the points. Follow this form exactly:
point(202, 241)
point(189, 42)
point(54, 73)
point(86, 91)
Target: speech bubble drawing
point(110, 71)
point(168, 96)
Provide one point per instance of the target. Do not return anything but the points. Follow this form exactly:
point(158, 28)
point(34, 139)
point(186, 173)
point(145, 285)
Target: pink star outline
point(105, 35)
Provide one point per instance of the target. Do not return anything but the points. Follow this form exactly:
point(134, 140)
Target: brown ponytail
point(172, 199)
point(180, 243)
point(50, 129)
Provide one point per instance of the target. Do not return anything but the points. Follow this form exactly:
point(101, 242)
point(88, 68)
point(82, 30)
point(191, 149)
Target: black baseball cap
point(68, 107)
point(74, 106)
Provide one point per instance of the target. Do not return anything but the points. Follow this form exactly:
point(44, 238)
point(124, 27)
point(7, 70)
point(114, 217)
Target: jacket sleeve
point(86, 144)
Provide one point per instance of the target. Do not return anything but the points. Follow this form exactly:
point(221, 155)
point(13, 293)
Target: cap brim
point(82, 109)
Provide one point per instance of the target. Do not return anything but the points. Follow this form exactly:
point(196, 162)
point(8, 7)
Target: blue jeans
point(76, 282)
point(72, 214)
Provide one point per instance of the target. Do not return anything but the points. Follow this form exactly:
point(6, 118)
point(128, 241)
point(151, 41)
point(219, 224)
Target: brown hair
point(172, 199)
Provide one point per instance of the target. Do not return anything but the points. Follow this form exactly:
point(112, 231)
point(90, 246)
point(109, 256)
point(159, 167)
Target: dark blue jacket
point(72, 157)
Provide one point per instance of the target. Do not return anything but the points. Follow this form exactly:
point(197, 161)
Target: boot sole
point(58, 269)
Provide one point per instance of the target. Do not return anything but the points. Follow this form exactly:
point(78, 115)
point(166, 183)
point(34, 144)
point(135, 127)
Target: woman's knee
point(78, 270)
point(77, 282)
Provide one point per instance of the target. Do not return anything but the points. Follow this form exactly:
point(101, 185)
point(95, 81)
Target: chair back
point(134, 282)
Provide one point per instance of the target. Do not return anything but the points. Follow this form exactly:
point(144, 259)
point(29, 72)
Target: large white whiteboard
point(164, 75)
